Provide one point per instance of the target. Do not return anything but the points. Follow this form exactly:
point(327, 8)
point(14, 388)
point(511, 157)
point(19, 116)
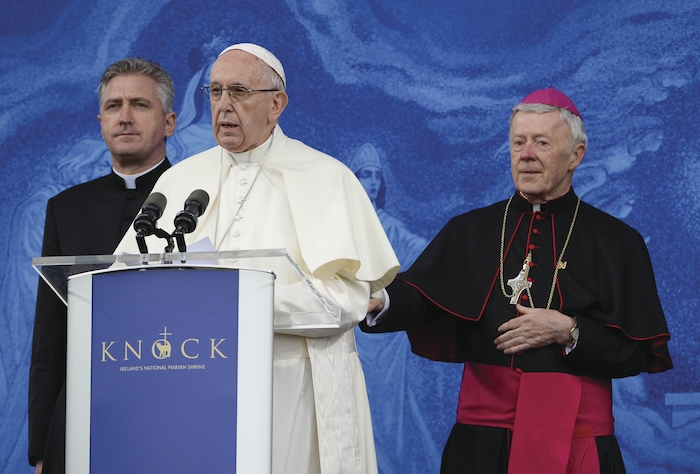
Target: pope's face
point(242, 126)
point(371, 179)
point(133, 123)
point(541, 163)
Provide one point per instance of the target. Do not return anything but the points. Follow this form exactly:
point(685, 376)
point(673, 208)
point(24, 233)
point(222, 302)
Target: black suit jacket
point(87, 219)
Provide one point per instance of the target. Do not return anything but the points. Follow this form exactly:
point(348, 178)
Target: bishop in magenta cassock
point(545, 299)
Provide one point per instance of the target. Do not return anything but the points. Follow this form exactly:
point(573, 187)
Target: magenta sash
point(546, 412)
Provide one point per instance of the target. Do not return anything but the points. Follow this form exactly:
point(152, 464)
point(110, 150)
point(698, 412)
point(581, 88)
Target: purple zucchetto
point(551, 96)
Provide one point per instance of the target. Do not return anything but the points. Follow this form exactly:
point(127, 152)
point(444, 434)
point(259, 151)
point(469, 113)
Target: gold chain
point(503, 238)
point(560, 262)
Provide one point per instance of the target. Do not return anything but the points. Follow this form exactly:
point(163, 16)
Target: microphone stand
point(179, 235)
point(164, 235)
point(143, 248)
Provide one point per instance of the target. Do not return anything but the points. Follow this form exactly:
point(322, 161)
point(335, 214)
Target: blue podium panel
point(163, 371)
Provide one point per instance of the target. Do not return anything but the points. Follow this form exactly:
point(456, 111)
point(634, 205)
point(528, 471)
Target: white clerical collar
point(535, 207)
point(130, 179)
point(255, 155)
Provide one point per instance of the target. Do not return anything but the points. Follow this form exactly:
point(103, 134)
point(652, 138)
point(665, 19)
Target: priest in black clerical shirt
point(545, 299)
point(136, 101)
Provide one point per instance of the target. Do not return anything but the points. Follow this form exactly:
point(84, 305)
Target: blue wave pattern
point(431, 88)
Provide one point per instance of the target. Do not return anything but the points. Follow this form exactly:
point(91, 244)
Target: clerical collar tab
point(256, 155)
point(130, 179)
point(243, 157)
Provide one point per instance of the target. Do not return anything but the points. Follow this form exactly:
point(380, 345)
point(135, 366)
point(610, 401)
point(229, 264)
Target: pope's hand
point(376, 303)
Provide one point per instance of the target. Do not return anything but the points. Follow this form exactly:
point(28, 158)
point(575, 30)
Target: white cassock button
point(240, 200)
point(243, 182)
point(236, 235)
point(244, 167)
point(238, 218)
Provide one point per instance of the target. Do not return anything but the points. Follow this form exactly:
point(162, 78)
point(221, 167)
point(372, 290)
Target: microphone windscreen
point(157, 200)
point(200, 196)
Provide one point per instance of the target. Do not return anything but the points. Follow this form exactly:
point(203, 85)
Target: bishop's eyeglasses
point(213, 92)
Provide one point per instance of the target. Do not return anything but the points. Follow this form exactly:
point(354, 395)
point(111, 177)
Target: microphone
point(195, 205)
point(152, 209)
point(186, 220)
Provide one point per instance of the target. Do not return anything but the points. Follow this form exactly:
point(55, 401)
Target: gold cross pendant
point(520, 282)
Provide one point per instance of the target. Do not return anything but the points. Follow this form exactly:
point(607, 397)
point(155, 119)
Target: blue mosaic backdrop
point(427, 91)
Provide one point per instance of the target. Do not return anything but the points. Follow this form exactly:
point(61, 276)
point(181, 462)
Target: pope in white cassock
point(270, 191)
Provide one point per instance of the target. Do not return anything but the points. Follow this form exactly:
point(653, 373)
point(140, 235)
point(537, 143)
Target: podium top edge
point(157, 257)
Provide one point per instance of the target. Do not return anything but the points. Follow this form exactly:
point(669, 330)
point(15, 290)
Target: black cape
point(451, 302)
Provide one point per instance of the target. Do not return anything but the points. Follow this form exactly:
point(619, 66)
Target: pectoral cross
point(520, 282)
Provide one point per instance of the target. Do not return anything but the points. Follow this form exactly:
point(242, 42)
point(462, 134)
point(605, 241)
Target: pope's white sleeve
point(298, 312)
